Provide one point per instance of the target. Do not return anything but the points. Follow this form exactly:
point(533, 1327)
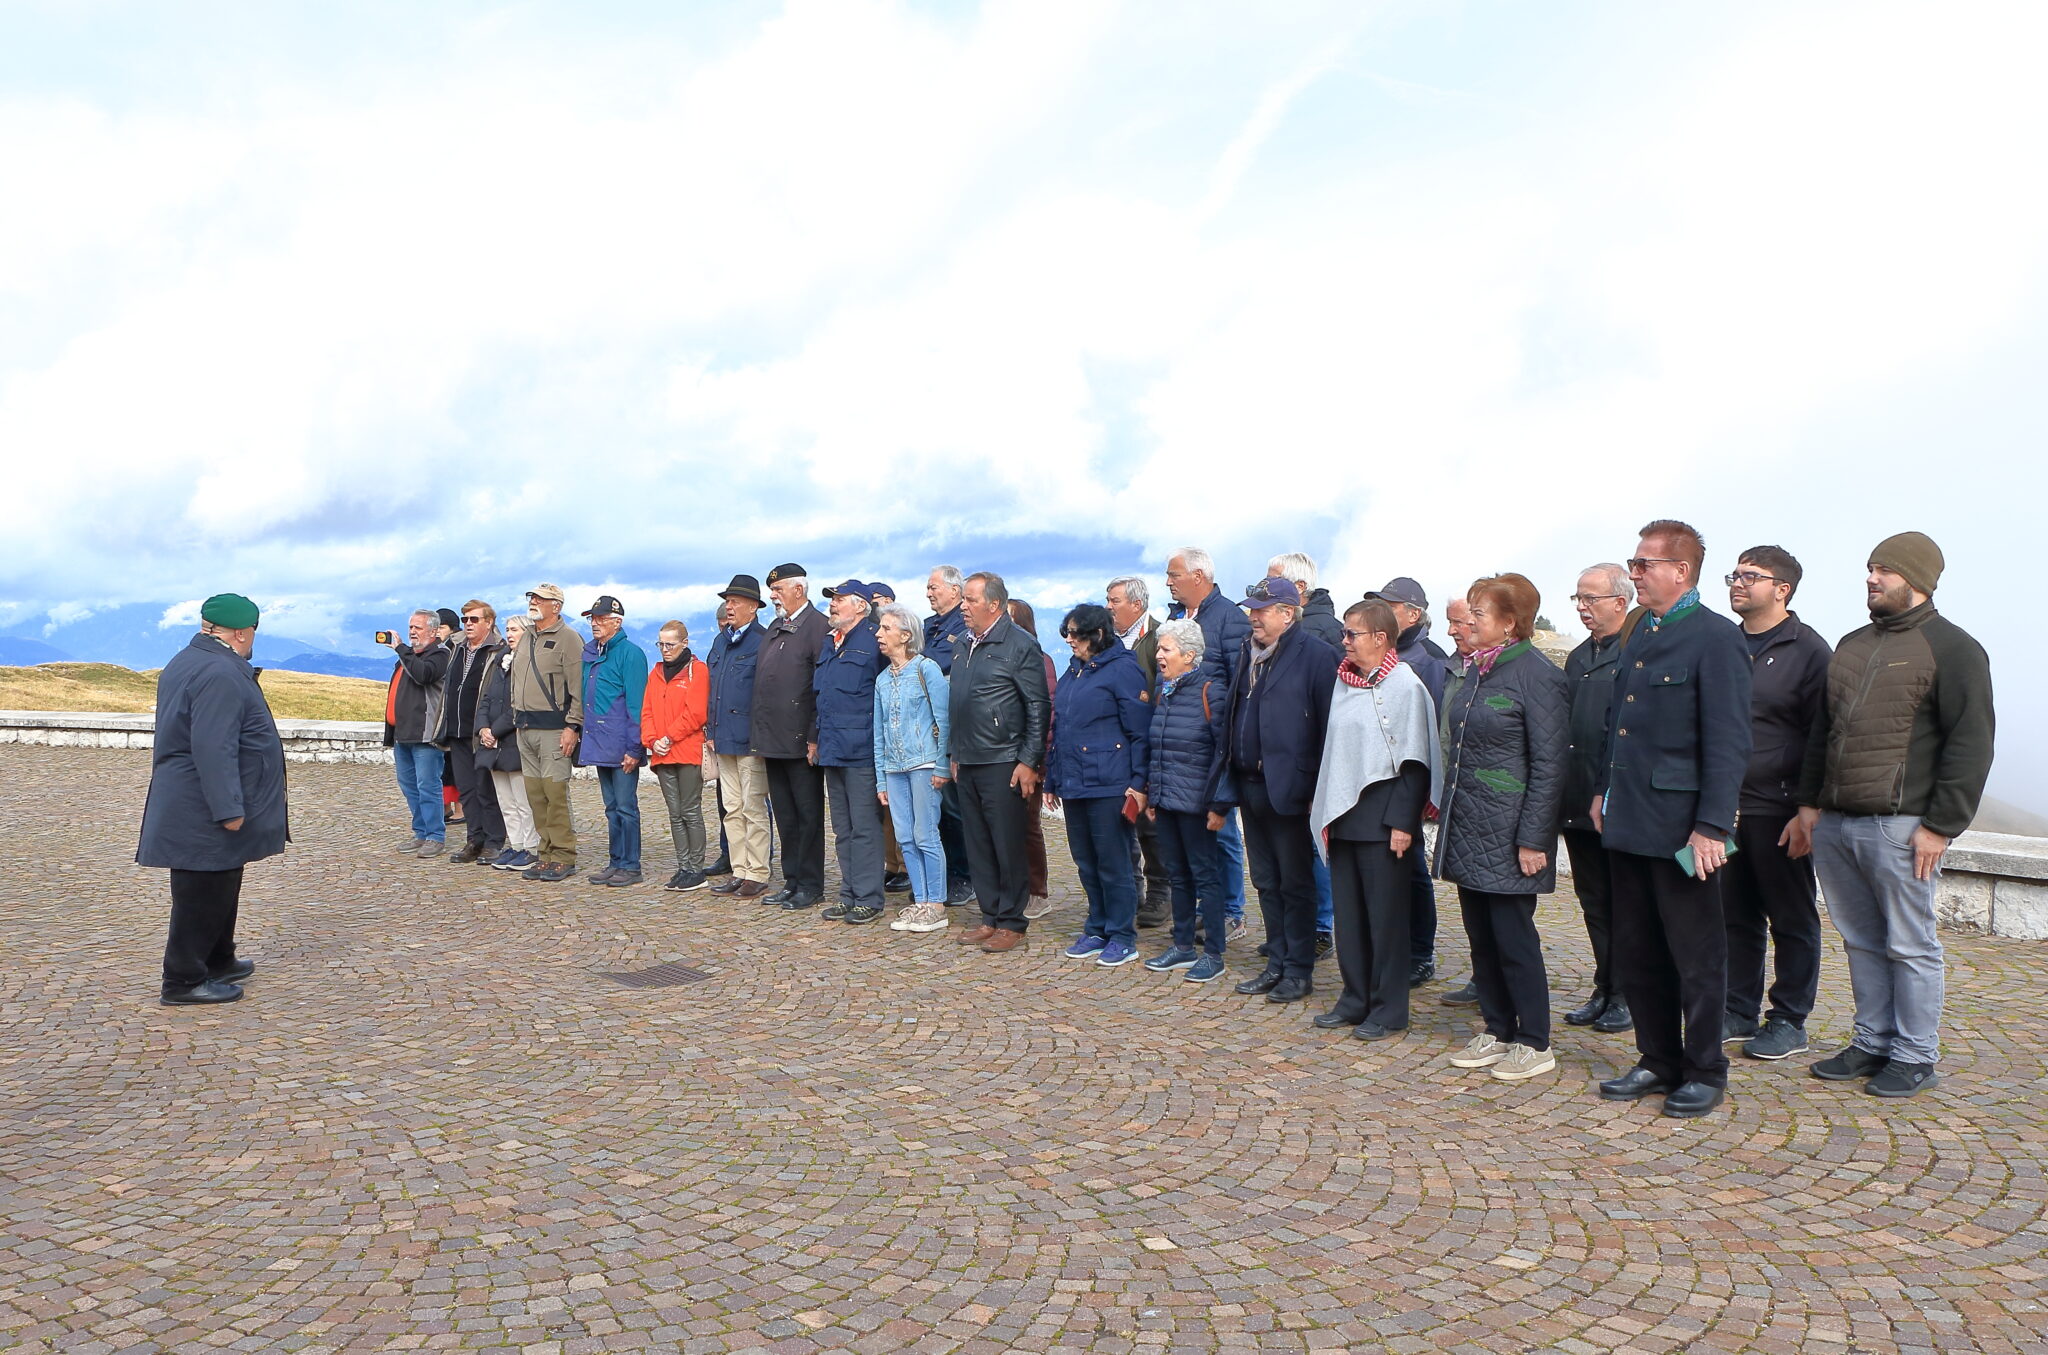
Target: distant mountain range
point(132, 637)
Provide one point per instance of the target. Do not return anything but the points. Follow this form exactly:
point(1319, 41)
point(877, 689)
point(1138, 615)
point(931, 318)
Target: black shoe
point(729, 885)
point(837, 912)
point(782, 895)
point(1325, 943)
point(1421, 972)
point(959, 892)
point(1693, 1100)
point(1615, 1019)
point(1467, 996)
point(799, 901)
point(1903, 1079)
point(898, 883)
point(1779, 1039)
point(1849, 1065)
point(1151, 920)
point(1371, 1030)
point(1635, 1084)
point(1262, 982)
point(1332, 1019)
point(469, 852)
point(687, 880)
point(1290, 990)
point(1265, 951)
point(201, 994)
point(1736, 1029)
point(857, 916)
point(723, 866)
point(234, 973)
point(1587, 1013)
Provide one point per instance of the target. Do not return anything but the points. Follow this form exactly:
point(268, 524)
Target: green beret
point(231, 610)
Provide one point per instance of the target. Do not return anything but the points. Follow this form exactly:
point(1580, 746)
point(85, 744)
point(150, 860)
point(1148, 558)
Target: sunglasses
point(472, 621)
point(1641, 563)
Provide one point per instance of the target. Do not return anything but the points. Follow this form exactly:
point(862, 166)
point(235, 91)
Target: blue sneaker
point(1207, 968)
point(515, 860)
point(1084, 947)
point(1116, 953)
point(503, 860)
point(1173, 957)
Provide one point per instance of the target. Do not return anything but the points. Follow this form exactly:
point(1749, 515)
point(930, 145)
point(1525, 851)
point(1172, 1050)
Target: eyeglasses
point(1749, 578)
point(1350, 634)
point(1588, 599)
point(1072, 634)
point(669, 644)
point(1641, 563)
point(472, 621)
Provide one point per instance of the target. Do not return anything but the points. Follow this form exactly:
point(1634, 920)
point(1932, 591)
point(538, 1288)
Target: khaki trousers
point(743, 783)
point(546, 773)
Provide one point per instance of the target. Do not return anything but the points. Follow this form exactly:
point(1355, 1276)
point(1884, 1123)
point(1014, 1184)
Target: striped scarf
point(1348, 674)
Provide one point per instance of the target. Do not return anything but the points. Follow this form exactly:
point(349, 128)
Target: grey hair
point(950, 576)
point(993, 589)
point(432, 614)
point(516, 620)
point(1296, 568)
point(1134, 589)
point(800, 580)
point(912, 627)
point(1617, 579)
point(1197, 561)
point(1187, 635)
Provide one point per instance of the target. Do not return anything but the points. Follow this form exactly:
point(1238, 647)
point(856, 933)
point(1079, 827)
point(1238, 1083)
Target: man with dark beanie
point(1894, 771)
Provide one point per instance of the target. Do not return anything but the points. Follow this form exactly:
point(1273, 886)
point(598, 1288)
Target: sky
point(356, 308)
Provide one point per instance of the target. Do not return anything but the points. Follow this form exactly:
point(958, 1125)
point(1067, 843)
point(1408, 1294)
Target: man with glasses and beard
point(1895, 770)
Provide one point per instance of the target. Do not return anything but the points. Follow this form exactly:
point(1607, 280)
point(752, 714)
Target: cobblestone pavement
point(432, 1125)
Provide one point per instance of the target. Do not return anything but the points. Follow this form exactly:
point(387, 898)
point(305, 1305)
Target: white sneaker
point(1522, 1061)
point(921, 917)
point(1481, 1052)
point(1038, 905)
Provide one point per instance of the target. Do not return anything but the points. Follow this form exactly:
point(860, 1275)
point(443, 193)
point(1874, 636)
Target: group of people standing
point(1698, 770)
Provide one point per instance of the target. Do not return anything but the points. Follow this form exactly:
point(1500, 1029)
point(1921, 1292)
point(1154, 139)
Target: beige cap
point(552, 592)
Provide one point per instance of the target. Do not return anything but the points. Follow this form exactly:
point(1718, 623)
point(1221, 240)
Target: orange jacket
point(677, 711)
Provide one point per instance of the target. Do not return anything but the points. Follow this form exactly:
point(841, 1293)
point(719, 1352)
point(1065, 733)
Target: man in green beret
point(216, 798)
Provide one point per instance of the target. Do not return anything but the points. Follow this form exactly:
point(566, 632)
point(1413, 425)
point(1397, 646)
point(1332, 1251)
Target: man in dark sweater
point(1768, 895)
point(1894, 772)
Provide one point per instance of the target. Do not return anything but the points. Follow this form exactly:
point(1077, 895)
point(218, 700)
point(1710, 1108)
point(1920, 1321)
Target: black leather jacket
point(999, 699)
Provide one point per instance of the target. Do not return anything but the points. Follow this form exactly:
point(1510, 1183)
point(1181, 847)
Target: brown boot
point(974, 936)
point(1003, 939)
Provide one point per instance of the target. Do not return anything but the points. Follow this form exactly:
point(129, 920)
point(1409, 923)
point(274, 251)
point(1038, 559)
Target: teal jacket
point(614, 682)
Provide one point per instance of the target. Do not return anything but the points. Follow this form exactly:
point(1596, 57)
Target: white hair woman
point(1186, 710)
point(912, 761)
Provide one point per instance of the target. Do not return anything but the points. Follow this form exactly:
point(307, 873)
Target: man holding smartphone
point(1665, 805)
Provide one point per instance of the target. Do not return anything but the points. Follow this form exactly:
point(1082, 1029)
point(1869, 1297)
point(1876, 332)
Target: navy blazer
point(1293, 710)
point(845, 683)
point(729, 723)
point(1678, 735)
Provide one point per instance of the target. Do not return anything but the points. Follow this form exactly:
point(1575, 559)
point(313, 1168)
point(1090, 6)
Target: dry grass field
point(109, 687)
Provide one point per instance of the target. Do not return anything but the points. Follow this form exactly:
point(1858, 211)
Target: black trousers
point(1593, 882)
point(204, 906)
point(952, 835)
point(995, 821)
point(1671, 956)
point(1769, 894)
point(482, 816)
point(796, 789)
point(1507, 966)
point(1148, 870)
point(1282, 857)
point(1421, 905)
point(1370, 898)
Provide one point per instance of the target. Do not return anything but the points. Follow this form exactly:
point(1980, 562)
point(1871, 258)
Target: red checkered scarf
point(1348, 674)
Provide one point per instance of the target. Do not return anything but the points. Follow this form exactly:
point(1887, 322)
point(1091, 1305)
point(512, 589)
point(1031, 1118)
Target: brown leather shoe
point(974, 936)
point(751, 889)
point(1004, 939)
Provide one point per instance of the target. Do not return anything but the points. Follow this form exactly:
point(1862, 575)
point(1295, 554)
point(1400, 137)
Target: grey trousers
point(856, 833)
point(1886, 918)
point(682, 790)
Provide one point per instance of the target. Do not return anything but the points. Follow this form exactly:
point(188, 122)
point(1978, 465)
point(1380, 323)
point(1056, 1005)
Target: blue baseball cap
point(1266, 592)
point(853, 586)
point(877, 591)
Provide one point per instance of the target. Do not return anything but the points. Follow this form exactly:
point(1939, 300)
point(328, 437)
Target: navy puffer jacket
point(1504, 783)
point(1100, 726)
point(1183, 743)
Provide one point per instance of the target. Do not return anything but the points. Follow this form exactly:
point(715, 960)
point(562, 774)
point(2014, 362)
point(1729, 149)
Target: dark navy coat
point(1225, 628)
point(1292, 709)
point(730, 724)
point(217, 757)
point(1182, 744)
point(941, 633)
point(1100, 727)
point(1589, 671)
point(1678, 735)
point(844, 680)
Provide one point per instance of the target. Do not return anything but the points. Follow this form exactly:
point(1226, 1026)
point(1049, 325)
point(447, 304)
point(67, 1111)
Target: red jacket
point(676, 711)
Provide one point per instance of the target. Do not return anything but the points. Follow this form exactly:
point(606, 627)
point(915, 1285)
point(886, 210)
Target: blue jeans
point(1326, 912)
point(915, 807)
point(1100, 837)
point(1886, 918)
point(1230, 843)
point(621, 791)
point(1190, 855)
point(419, 780)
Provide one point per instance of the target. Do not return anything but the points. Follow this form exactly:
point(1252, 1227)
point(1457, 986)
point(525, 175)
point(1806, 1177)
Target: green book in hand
point(1683, 856)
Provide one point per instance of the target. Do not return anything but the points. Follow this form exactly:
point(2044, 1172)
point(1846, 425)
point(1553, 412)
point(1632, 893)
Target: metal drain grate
point(661, 976)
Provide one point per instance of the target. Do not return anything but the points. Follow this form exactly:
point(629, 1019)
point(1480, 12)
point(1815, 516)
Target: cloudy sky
point(355, 307)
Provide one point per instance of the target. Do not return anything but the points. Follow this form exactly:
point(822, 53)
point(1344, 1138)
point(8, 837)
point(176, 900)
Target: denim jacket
point(905, 712)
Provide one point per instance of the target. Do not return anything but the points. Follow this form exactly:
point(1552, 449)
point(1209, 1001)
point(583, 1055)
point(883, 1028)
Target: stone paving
point(433, 1126)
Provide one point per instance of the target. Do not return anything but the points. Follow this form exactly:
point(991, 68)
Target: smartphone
point(1684, 856)
point(385, 637)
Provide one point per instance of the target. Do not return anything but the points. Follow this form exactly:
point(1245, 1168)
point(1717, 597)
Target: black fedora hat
point(743, 586)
